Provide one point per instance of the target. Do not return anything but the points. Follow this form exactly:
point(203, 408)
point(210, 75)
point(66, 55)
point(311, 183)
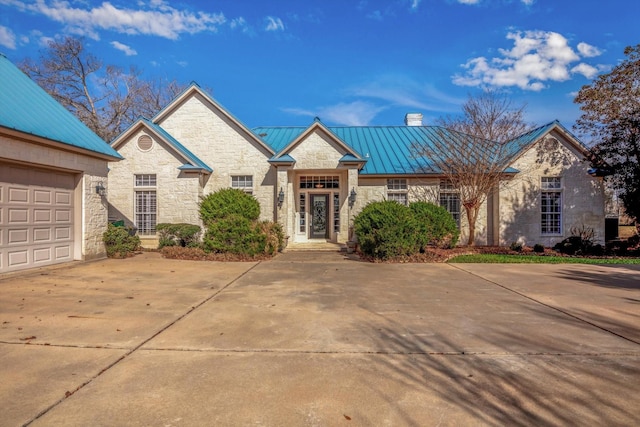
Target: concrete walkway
point(319, 339)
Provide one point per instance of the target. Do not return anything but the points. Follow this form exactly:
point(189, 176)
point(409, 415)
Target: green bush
point(386, 230)
point(185, 235)
point(235, 234)
point(228, 202)
point(436, 225)
point(120, 242)
point(516, 246)
point(538, 248)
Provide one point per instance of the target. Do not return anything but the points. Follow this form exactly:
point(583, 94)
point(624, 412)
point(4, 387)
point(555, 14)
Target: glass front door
point(319, 216)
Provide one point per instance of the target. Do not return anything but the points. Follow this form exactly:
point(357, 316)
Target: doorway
point(319, 216)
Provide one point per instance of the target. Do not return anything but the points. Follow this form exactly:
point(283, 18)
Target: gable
point(316, 149)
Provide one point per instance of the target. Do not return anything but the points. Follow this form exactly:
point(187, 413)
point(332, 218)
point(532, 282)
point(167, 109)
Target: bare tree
point(106, 98)
point(490, 115)
point(474, 150)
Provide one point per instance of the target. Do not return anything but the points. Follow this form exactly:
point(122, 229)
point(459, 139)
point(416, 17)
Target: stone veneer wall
point(519, 203)
point(90, 209)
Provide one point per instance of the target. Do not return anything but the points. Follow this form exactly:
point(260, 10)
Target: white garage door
point(36, 217)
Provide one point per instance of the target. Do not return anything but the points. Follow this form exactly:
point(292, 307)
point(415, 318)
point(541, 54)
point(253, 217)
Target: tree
point(106, 98)
point(472, 151)
point(611, 116)
point(490, 115)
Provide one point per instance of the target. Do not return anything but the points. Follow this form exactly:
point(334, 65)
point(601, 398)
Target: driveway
point(319, 339)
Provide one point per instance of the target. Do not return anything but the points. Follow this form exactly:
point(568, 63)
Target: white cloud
point(124, 48)
point(274, 24)
point(528, 2)
point(415, 4)
point(586, 70)
point(160, 19)
point(537, 57)
point(7, 38)
point(588, 51)
point(356, 113)
point(240, 24)
point(469, 1)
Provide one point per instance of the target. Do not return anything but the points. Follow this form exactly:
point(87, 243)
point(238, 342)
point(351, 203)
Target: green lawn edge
point(536, 259)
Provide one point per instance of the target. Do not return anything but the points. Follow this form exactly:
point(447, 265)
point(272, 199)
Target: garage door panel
point(18, 216)
point(36, 213)
point(41, 235)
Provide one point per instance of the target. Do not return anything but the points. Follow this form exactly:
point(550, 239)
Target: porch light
point(352, 197)
point(280, 197)
point(100, 189)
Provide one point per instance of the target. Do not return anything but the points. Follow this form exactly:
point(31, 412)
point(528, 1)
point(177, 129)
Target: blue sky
point(360, 62)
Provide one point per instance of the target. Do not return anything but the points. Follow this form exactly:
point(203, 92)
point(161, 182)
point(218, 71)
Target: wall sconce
point(100, 189)
point(280, 197)
point(352, 197)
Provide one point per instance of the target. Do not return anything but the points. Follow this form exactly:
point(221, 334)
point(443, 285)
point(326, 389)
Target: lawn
point(537, 259)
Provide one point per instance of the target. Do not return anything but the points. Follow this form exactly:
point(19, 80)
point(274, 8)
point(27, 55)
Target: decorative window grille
point(450, 199)
point(551, 205)
point(336, 212)
point(243, 182)
point(397, 191)
point(146, 204)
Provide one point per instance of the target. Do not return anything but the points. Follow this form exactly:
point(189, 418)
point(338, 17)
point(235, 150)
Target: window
point(303, 210)
point(551, 205)
point(319, 182)
point(146, 205)
point(336, 212)
point(397, 191)
point(243, 182)
point(450, 200)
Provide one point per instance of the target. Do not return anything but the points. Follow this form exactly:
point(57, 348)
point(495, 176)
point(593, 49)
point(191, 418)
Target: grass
point(537, 259)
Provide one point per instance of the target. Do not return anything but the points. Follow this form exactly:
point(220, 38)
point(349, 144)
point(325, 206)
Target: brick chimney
point(413, 119)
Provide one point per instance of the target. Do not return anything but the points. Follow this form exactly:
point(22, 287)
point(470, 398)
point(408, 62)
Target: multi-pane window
point(146, 205)
point(336, 212)
point(551, 205)
point(450, 199)
point(319, 182)
point(303, 212)
point(243, 182)
point(397, 191)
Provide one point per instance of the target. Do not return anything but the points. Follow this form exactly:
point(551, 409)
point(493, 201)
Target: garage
point(36, 217)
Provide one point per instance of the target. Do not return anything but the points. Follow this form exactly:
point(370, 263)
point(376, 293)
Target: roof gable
point(195, 90)
point(26, 107)
point(193, 162)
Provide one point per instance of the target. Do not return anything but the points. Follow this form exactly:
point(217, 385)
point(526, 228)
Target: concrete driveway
point(318, 339)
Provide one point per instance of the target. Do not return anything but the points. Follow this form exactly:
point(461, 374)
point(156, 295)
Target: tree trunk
point(472, 216)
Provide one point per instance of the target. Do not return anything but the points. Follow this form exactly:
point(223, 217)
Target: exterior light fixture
point(352, 197)
point(280, 197)
point(100, 189)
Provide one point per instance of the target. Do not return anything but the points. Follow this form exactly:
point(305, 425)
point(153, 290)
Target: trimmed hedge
point(228, 202)
point(120, 242)
point(185, 235)
point(386, 230)
point(436, 225)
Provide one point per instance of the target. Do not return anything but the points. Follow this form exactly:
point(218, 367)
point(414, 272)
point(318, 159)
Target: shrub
point(435, 225)
point(538, 248)
point(275, 236)
point(386, 230)
point(120, 242)
point(227, 202)
point(516, 246)
point(185, 235)
point(579, 243)
point(238, 235)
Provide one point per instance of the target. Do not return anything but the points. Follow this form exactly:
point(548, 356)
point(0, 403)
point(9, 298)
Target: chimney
point(413, 119)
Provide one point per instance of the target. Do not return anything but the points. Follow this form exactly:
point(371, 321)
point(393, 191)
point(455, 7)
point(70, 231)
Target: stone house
point(314, 179)
point(53, 178)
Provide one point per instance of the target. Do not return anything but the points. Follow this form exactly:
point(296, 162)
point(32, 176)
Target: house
point(314, 179)
point(50, 167)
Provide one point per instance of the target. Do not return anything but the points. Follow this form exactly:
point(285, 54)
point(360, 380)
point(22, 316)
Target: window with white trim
point(146, 205)
point(551, 205)
point(450, 199)
point(397, 190)
point(243, 182)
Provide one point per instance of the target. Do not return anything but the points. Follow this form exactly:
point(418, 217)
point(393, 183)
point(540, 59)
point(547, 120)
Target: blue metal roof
point(390, 150)
point(27, 108)
point(196, 163)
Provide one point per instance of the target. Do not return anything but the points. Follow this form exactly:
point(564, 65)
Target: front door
point(319, 216)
